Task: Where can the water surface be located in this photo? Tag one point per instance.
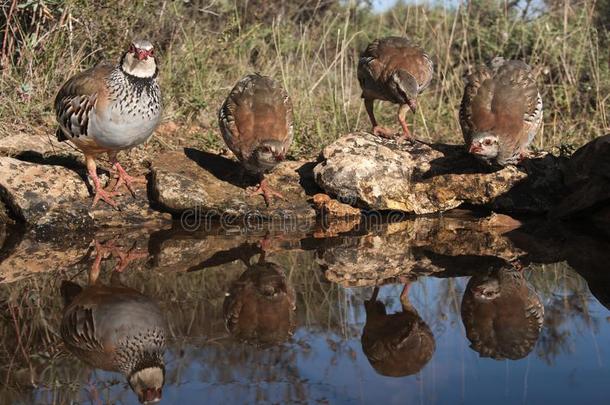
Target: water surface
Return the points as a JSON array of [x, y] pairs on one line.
[[338, 333]]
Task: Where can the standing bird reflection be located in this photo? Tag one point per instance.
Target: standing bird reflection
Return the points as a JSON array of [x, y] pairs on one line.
[[260, 305], [398, 344], [116, 328]]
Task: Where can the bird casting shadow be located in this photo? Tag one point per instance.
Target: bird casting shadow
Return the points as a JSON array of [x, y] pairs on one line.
[[222, 168], [456, 160]]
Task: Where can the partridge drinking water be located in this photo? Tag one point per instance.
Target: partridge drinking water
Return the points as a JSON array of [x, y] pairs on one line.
[[501, 111]]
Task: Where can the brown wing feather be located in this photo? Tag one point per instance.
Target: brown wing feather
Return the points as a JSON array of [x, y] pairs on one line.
[[384, 56], [77, 97], [256, 110], [475, 110]]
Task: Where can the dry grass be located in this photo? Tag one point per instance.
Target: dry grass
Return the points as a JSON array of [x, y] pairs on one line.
[[205, 46]]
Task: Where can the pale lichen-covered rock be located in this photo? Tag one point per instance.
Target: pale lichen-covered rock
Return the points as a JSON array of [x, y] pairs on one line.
[[330, 208], [25, 145], [197, 184], [379, 174], [52, 197]]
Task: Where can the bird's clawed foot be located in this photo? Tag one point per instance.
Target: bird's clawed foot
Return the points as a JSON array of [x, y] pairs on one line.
[[384, 132], [124, 179], [104, 195], [405, 137], [267, 192]]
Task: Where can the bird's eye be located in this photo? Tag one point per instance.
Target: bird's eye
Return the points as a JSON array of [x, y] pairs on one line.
[[151, 52], [487, 142], [132, 48]]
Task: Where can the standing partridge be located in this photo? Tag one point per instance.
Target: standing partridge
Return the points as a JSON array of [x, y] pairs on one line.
[[116, 328], [109, 108], [501, 111], [393, 69], [502, 315], [256, 124], [399, 344], [260, 306]]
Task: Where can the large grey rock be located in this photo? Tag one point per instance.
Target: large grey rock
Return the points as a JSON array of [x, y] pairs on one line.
[[196, 183], [379, 174], [53, 198]]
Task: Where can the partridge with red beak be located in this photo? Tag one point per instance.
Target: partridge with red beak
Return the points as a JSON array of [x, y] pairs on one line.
[[502, 314], [109, 108], [116, 328], [256, 124], [501, 111], [393, 69]]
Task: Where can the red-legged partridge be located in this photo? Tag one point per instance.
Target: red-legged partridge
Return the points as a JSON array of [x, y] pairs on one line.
[[501, 111], [393, 69], [116, 328], [109, 108], [256, 124], [502, 315], [398, 344], [260, 306]]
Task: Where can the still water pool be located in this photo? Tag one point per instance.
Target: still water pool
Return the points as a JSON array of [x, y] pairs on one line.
[[428, 311]]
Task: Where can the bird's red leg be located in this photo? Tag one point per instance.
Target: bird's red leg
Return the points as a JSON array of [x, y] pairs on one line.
[[377, 130], [523, 154], [102, 251], [123, 177], [100, 193], [404, 297], [406, 134], [267, 192]]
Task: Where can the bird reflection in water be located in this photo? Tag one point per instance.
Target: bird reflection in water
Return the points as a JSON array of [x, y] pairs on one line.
[[398, 344], [260, 307], [116, 328], [502, 314]]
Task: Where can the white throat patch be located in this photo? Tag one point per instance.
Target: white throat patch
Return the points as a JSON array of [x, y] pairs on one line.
[[139, 68]]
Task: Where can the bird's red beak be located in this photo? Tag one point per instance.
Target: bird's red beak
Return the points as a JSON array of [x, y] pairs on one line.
[[475, 148], [412, 105], [142, 55], [151, 395]]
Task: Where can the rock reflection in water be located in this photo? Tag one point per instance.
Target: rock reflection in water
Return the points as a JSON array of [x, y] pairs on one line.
[[260, 305], [339, 344], [116, 328], [397, 344], [502, 314]]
